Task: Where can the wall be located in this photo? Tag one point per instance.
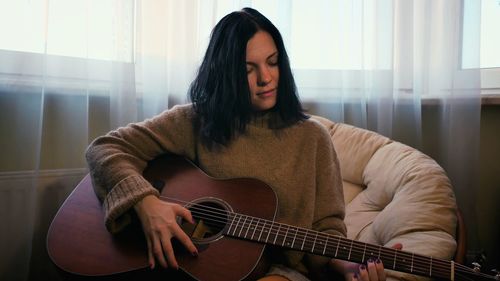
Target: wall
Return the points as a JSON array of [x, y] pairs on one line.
[[483, 228], [26, 197], [488, 207]]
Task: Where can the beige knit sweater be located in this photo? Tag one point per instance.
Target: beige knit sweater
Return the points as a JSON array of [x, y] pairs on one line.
[[298, 162]]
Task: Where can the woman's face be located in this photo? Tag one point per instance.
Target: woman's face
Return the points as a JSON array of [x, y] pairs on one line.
[[262, 71]]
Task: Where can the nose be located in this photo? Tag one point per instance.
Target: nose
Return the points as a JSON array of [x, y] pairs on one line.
[[265, 77]]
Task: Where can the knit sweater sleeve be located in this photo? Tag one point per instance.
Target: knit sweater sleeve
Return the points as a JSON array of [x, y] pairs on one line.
[[329, 203], [329, 200], [116, 161]]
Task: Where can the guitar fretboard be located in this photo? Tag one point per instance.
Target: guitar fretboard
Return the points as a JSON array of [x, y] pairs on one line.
[[319, 243]]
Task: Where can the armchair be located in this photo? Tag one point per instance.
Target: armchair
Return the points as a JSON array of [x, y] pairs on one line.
[[396, 194]]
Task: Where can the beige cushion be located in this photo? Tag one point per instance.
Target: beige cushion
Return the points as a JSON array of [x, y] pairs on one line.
[[356, 148], [394, 194], [351, 190]]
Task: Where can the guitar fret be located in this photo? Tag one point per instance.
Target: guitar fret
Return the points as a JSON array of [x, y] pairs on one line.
[[452, 271], [430, 268], [253, 233], [263, 226], [249, 225], [243, 225], [267, 238], [303, 241], [286, 236], [395, 255], [295, 236], [338, 244], [230, 225], [277, 233], [326, 243], [411, 268], [364, 252], [314, 243], [236, 227], [350, 249]]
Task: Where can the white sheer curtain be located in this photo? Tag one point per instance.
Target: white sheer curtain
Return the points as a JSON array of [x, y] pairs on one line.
[[397, 70], [82, 68], [70, 71]]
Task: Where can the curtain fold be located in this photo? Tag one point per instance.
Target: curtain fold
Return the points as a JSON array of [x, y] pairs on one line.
[[87, 67]]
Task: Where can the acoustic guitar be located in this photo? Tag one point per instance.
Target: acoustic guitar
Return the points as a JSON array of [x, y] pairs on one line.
[[234, 223]]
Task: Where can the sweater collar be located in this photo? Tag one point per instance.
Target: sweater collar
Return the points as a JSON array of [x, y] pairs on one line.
[[269, 119]]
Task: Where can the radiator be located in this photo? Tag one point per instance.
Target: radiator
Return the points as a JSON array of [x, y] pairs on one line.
[[28, 202]]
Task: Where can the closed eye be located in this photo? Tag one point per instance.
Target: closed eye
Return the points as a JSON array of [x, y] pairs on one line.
[[273, 59], [273, 63]]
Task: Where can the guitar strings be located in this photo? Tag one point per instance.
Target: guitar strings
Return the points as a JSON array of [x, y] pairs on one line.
[[443, 269], [301, 234], [298, 234], [244, 225], [445, 273]]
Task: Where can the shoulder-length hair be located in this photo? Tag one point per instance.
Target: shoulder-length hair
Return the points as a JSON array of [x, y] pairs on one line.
[[220, 92]]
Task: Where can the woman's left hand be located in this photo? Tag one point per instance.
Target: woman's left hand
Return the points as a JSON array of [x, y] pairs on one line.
[[372, 271]]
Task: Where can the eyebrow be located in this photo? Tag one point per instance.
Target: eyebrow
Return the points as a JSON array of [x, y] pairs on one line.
[[270, 56]]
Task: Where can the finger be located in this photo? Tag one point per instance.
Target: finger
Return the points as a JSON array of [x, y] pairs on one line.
[[168, 251], [185, 240], [363, 273], [180, 234], [183, 212], [380, 270], [372, 270], [158, 251], [151, 258], [397, 246]]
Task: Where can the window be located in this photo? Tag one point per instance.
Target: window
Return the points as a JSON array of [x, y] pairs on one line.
[[315, 34], [489, 43], [94, 29], [104, 30]]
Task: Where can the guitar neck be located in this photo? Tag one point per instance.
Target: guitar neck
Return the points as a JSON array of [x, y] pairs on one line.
[[319, 243]]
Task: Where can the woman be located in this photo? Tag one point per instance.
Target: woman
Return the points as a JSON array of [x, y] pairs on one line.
[[245, 120]]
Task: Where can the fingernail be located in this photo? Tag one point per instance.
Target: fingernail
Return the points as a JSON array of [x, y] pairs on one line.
[[194, 253], [378, 261], [370, 261], [355, 276], [362, 267]]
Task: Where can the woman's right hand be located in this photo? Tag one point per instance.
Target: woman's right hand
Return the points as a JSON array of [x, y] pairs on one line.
[[159, 224]]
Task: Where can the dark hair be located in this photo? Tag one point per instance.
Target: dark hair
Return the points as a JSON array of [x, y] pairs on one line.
[[220, 92]]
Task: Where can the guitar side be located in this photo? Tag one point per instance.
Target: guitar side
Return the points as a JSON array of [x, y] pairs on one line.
[[78, 242]]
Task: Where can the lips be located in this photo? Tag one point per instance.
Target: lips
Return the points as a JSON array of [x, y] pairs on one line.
[[265, 93]]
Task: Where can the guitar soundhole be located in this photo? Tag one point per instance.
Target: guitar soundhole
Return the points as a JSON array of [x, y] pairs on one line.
[[210, 216]]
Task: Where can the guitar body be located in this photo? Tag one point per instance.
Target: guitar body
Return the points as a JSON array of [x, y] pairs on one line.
[[79, 244]]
